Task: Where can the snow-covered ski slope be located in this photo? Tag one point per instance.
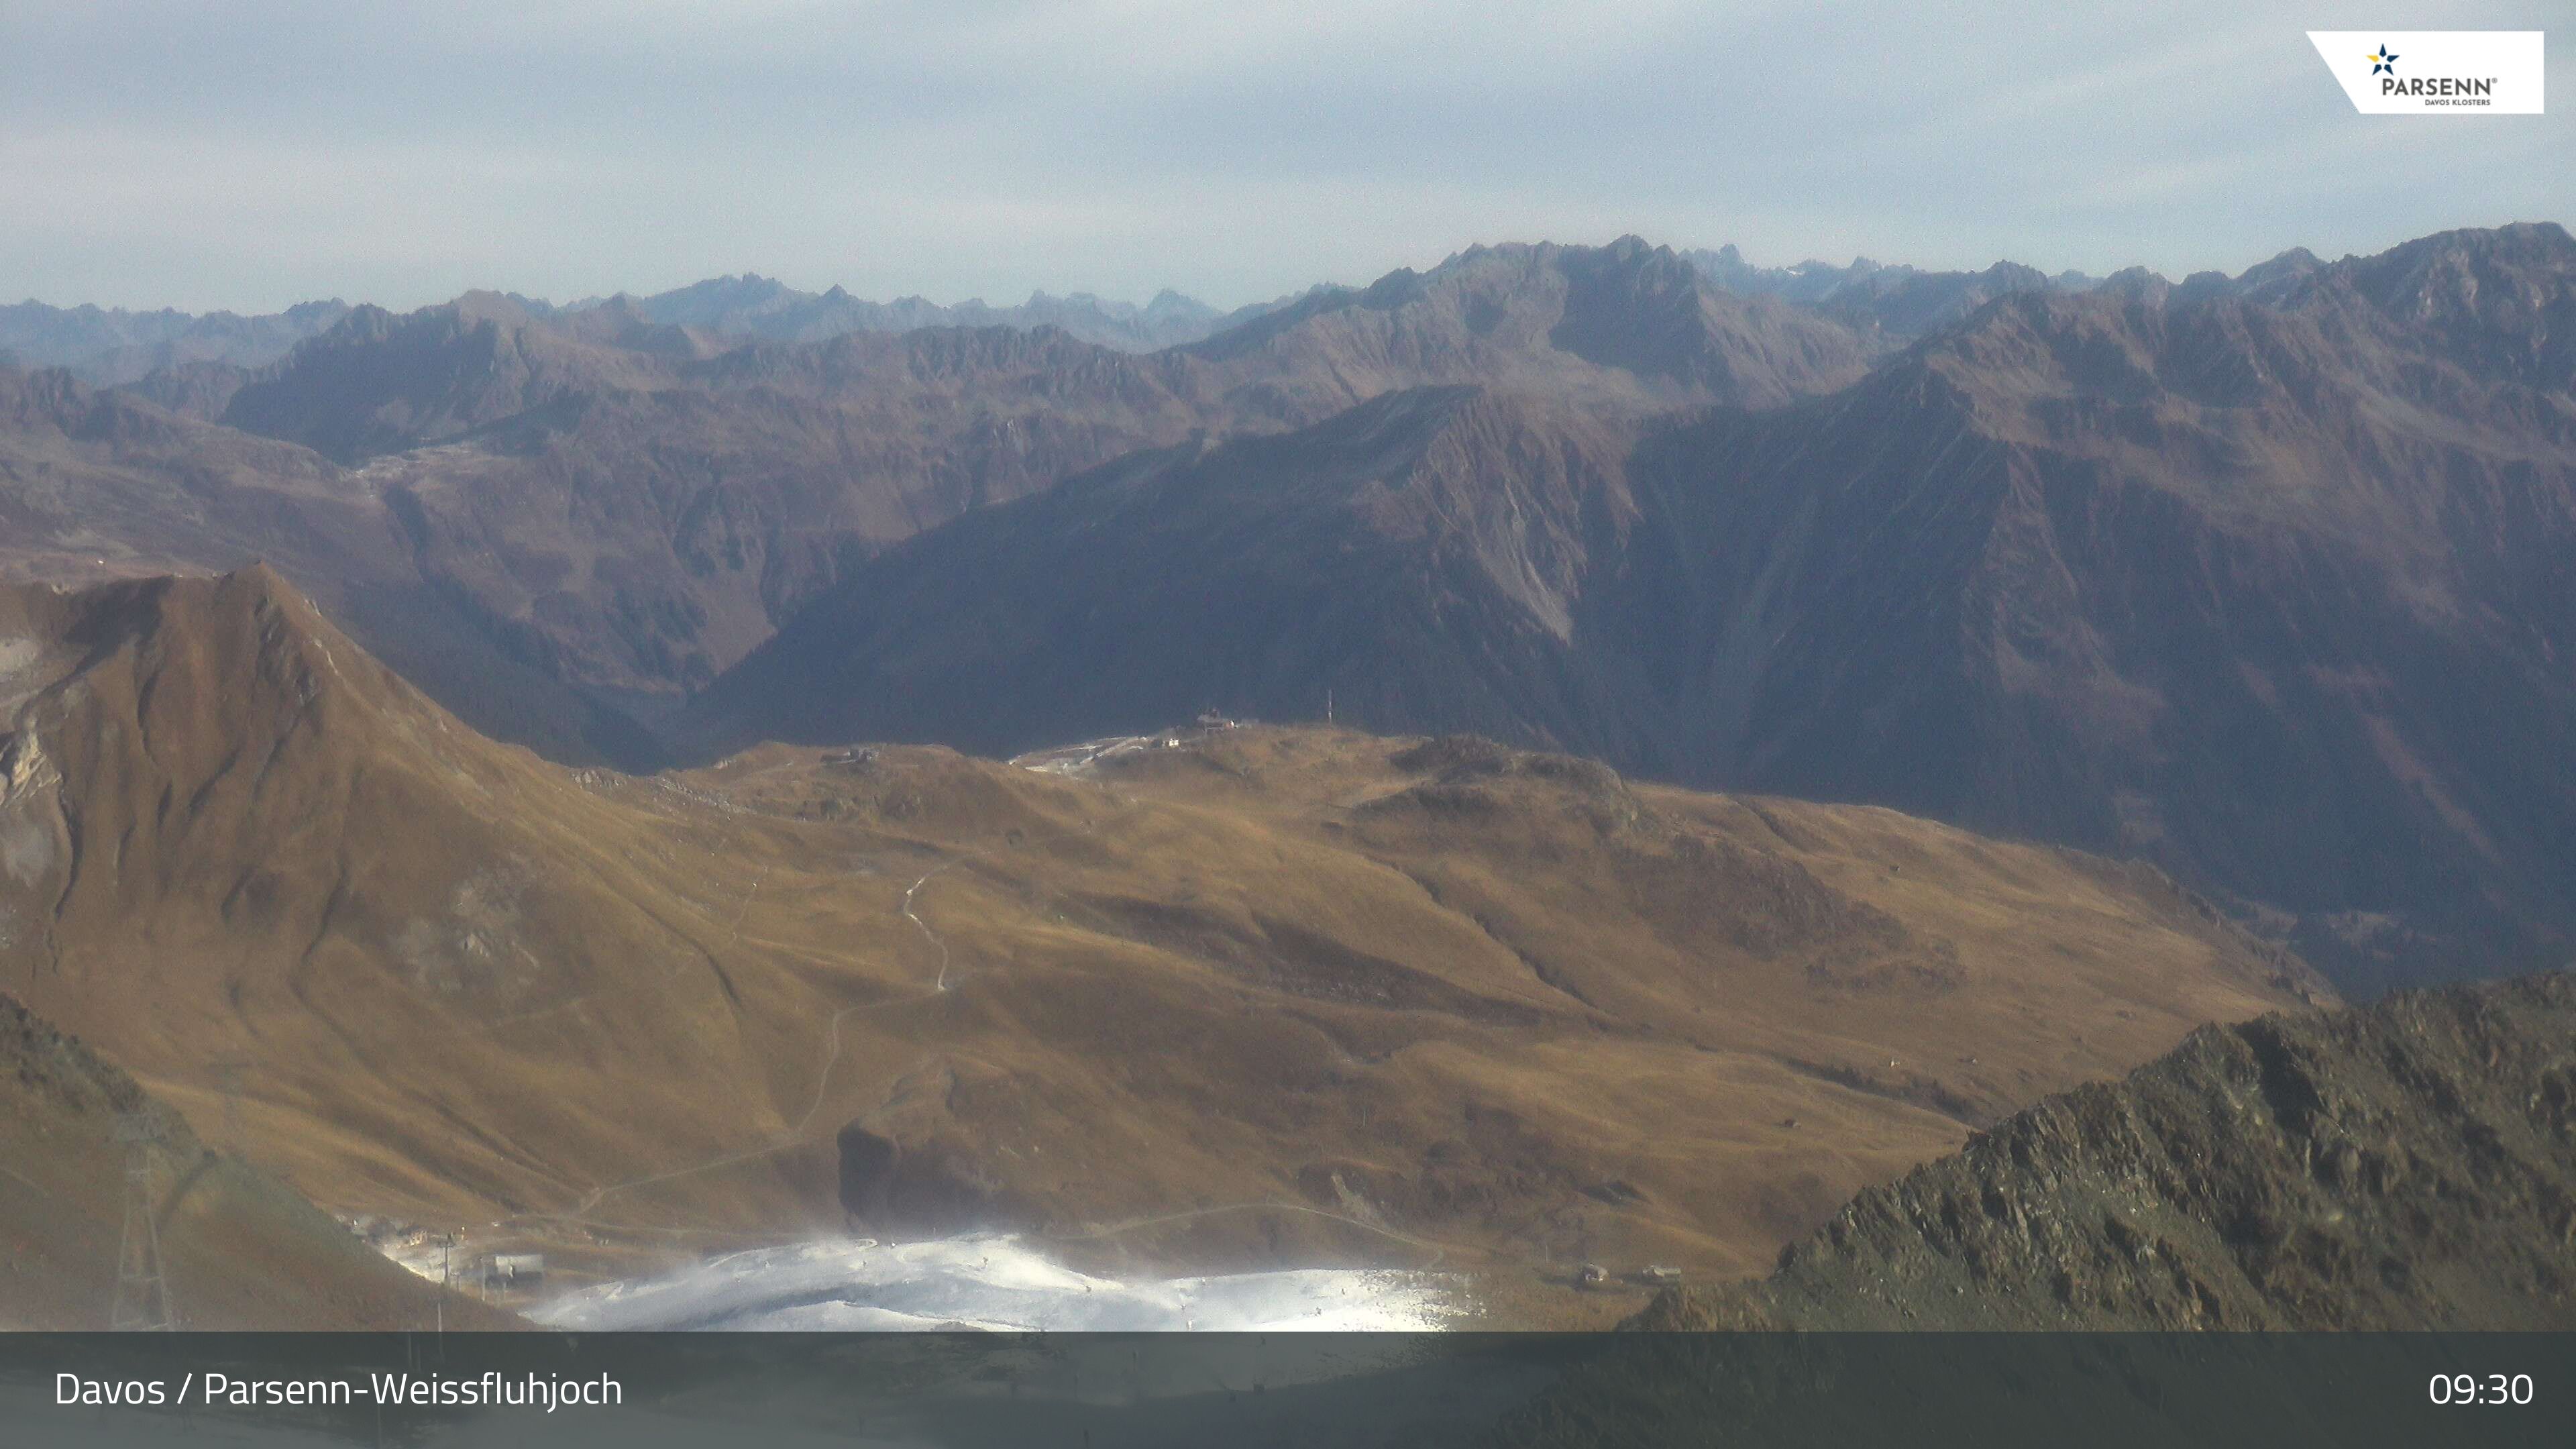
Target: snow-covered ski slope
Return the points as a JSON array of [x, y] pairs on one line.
[[990, 1282]]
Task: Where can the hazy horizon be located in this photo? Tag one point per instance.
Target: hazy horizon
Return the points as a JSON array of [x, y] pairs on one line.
[[251, 156], [1142, 299]]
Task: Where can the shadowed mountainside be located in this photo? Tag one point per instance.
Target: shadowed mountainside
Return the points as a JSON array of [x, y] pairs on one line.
[[2273, 592], [100, 485], [1419, 557], [630, 506], [1259, 996]]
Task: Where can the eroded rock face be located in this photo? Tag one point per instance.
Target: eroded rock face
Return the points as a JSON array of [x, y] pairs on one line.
[[927, 1190], [2411, 1166], [867, 1172]]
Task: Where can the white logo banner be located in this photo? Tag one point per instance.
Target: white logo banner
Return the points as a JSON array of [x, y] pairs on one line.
[[2435, 72]]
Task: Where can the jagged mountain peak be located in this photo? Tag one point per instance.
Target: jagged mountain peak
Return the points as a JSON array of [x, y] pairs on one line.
[[2498, 302], [751, 305], [2272, 279], [1629, 325], [499, 309], [199, 658], [383, 382], [1889, 304], [111, 347]]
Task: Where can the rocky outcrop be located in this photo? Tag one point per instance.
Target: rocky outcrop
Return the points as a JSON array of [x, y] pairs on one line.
[[2409, 1166], [240, 1250], [929, 1190]]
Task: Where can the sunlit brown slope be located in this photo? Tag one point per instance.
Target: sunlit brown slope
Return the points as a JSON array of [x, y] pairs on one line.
[[239, 1251], [1261, 995]]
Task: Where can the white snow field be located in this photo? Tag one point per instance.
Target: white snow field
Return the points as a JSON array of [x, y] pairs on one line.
[[990, 1282]]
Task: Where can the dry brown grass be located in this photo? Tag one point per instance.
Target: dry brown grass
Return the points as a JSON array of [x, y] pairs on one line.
[[1275, 995]]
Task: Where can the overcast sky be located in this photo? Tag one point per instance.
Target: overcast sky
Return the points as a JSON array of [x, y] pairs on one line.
[[253, 153]]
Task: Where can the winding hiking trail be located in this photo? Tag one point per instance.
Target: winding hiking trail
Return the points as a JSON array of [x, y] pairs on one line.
[[833, 1047], [941, 984], [794, 1134]]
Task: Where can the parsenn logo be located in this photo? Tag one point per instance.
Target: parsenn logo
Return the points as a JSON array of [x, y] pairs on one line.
[[2448, 72]]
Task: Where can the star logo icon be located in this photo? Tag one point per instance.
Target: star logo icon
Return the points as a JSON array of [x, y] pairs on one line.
[[2383, 60]]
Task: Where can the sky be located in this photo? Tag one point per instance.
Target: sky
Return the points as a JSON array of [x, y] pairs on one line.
[[254, 153]]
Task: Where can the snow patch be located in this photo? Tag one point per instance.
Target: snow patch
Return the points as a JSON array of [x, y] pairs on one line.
[[1080, 762], [18, 661], [991, 1282]]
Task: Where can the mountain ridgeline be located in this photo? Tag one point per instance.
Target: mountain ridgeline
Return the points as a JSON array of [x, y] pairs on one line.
[[2270, 583], [238, 1249], [2264, 578], [113, 346], [2407, 1167], [2367, 1177]]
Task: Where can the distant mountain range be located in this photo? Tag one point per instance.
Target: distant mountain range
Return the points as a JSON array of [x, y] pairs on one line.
[[114, 347], [1895, 300], [111, 347], [756, 306], [2263, 578], [631, 506]]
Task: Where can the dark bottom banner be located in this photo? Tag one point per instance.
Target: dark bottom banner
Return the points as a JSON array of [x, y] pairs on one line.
[[1250, 1391]]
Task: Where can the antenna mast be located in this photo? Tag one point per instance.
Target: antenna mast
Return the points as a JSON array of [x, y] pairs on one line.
[[228, 1077], [142, 1290]]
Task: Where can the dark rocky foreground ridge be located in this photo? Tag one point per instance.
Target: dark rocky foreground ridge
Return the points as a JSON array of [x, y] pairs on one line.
[[2409, 1166], [241, 1250]]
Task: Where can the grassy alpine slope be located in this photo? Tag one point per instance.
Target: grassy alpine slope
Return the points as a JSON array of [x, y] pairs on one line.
[[1264, 996]]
